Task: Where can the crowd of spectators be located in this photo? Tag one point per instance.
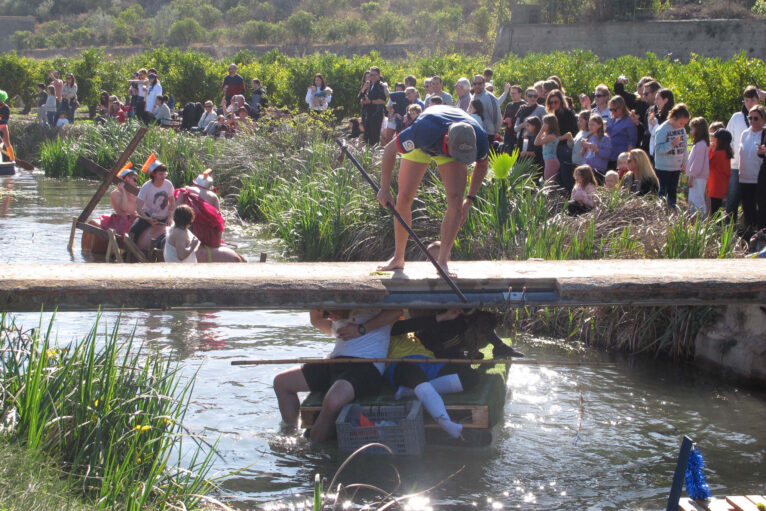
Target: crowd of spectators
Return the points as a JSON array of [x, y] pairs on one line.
[[638, 138]]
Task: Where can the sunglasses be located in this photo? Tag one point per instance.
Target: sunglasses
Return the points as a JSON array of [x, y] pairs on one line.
[[754, 118], [600, 95], [478, 83], [531, 95]]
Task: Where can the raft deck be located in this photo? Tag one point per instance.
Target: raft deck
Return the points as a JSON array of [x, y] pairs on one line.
[[732, 503], [479, 408]]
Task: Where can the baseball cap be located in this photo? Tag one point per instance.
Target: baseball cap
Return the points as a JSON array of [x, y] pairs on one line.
[[462, 142]]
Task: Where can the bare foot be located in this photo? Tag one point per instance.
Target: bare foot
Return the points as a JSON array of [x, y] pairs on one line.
[[393, 264], [445, 267]]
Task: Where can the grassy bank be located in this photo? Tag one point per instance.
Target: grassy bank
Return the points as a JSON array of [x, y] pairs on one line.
[[107, 413]]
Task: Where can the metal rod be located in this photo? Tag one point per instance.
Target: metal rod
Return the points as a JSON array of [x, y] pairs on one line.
[[481, 361], [678, 475], [396, 214]]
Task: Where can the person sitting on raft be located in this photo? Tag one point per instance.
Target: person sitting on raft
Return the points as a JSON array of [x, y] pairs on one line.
[[180, 244], [358, 334], [156, 201], [123, 204], [209, 223], [428, 381], [5, 115]]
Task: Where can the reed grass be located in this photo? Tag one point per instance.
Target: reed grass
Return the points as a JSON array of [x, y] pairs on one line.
[[110, 415]]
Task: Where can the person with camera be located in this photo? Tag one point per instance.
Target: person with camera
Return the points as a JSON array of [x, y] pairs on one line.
[[319, 95], [373, 106]]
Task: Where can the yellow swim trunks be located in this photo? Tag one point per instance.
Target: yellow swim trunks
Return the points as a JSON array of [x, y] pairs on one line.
[[420, 156]]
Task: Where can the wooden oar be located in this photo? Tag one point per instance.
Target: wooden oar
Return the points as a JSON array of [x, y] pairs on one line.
[[24, 164], [482, 361]]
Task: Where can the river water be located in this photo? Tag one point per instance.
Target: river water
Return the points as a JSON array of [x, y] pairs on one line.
[[572, 437]]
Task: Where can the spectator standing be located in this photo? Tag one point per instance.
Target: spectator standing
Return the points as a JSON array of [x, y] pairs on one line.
[[463, 92], [492, 116], [436, 90], [401, 101], [548, 139], [751, 183], [141, 87], [42, 99], [664, 101], [319, 95], [556, 104], [527, 146], [738, 124], [58, 85], [601, 97], [621, 130], [233, 84], [69, 97], [509, 117], [133, 93], [51, 106], [698, 168], [531, 109], [721, 154], [373, 107], [153, 91], [670, 152], [649, 93], [258, 100], [476, 110]]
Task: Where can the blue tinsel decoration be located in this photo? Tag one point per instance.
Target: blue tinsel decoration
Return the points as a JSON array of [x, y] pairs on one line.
[[696, 484]]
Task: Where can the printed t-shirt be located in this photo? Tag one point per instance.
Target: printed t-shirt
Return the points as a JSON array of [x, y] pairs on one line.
[[156, 200], [428, 130]]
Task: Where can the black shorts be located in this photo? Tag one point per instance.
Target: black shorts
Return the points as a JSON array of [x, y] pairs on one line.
[[364, 378]]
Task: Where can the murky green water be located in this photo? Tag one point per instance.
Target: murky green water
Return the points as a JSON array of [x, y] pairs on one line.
[[572, 437]]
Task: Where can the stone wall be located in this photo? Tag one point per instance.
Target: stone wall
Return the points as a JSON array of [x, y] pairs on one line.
[[14, 24], [712, 38], [736, 343]]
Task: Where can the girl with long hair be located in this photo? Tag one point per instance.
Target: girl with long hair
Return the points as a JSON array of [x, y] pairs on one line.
[[548, 139], [698, 168]]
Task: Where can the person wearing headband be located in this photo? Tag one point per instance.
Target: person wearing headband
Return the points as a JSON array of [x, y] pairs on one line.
[[454, 140], [156, 201]]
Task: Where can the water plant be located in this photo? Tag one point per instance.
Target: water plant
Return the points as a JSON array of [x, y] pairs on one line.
[[108, 412]]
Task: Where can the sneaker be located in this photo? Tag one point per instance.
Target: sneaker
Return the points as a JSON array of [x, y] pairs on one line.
[[505, 351], [476, 437]]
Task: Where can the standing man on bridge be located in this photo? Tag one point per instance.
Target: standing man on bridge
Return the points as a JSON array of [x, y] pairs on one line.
[[453, 139]]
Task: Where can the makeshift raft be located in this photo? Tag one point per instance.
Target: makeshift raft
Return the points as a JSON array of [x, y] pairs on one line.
[[479, 408], [7, 168], [733, 503]]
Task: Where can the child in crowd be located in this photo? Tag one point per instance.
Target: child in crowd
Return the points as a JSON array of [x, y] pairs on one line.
[[180, 244], [670, 152], [698, 166], [597, 145], [721, 154], [413, 111], [582, 199], [50, 106], [612, 179], [717, 125], [548, 139], [476, 110], [622, 164], [63, 120], [578, 156], [528, 147], [42, 98]]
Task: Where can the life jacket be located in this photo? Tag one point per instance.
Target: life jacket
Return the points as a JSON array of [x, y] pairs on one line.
[[208, 223]]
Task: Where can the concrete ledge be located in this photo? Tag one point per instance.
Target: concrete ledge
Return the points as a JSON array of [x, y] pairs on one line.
[[29, 287]]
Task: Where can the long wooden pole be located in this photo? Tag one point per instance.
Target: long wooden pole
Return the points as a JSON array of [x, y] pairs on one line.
[[396, 214], [481, 361]]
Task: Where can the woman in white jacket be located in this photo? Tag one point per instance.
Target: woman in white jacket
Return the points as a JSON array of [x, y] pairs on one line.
[[319, 95], [750, 168]]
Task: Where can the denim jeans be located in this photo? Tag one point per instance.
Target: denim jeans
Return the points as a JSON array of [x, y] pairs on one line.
[[733, 196], [669, 185]]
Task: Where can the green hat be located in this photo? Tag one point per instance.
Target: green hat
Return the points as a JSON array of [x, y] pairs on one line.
[[3, 95]]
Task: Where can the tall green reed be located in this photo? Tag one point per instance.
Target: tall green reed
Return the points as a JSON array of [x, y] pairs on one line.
[[111, 414]]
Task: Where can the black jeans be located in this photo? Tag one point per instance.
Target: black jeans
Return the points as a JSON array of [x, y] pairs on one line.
[[748, 196], [372, 125], [715, 205], [669, 185]]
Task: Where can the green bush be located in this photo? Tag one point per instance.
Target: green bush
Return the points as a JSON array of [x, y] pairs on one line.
[[301, 26], [388, 27], [185, 31]]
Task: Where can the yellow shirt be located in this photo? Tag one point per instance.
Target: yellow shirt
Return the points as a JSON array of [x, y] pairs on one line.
[[405, 345]]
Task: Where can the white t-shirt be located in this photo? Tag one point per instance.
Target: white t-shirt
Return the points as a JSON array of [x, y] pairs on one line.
[[749, 161], [373, 344], [63, 121], [156, 200], [737, 126]]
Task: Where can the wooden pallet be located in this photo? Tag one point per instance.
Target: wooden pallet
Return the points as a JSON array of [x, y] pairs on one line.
[[733, 503], [470, 416]]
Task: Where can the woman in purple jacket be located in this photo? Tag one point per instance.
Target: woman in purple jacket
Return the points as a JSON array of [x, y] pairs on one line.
[[621, 130], [597, 146]]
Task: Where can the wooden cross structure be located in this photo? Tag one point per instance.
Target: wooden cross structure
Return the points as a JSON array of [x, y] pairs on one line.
[[109, 177]]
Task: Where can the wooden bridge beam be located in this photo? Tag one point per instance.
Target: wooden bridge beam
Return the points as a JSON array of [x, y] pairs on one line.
[[30, 287]]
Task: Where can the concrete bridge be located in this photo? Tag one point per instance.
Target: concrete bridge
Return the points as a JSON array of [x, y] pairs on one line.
[[30, 287]]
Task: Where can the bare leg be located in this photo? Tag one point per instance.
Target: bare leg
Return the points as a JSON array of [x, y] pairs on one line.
[[454, 176], [340, 393], [410, 176], [287, 384]]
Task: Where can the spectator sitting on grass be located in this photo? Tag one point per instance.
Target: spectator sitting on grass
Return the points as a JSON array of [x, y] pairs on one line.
[[161, 112], [611, 180], [582, 199], [63, 121]]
